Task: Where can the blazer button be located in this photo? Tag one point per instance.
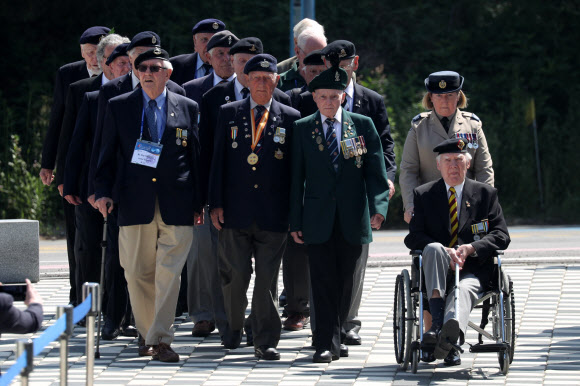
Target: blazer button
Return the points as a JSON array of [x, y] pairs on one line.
[[256, 186], [154, 179]]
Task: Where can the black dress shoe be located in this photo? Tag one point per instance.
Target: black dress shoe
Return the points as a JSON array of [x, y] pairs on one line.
[[110, 331], [352, 338], [427, 357], [452, 359], [232, 339], [249, 336], [129, 331], [267, 353], [322, 356], [448, 336], [430, 337], [343, 350]]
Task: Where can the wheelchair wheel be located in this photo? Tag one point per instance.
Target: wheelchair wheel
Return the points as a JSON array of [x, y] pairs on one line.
[[506, 357], [403, 319]]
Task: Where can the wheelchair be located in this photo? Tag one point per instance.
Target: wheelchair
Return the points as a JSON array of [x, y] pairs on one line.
[[410, 298]]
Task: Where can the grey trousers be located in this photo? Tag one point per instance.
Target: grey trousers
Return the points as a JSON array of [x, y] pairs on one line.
[[352, 321], [236, 247], [205, 300], [436, 268]]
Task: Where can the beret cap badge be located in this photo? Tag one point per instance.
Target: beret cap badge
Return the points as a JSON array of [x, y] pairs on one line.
[[215, 25], [253, 48], [460, 144], [265, 63], [342, 53], [337, 77], [442, 84], [157, 50], [153, 40]]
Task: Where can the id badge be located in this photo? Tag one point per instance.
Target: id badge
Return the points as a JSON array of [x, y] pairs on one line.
[[146, 153]]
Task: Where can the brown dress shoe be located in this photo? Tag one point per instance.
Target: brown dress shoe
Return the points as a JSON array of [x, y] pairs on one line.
[[203, 328], [295, 322], [145, 350], [165, 353]]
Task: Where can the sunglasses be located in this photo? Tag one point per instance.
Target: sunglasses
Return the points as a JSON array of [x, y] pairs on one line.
[[144, 67]]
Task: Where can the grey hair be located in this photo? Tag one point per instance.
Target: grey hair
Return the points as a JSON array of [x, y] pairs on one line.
[[167, 64], [304, 24], [109, 40], [310, 33], [467, 156]]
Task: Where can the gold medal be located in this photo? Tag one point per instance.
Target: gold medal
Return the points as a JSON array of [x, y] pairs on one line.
[[184, 143], [253, 159], [278, 154], [321, 147]]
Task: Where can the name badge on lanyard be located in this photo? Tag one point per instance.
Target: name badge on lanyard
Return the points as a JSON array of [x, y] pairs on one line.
[[146, 153]]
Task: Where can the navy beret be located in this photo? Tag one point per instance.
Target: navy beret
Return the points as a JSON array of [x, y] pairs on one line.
[[94, 35], [222, 39], [247, 46], [209, 25], [261, 62], [333, 79], [120, 50], [443, 82], [452, 145], [314, 59], [145, 39], [154, 53], [338, 50]]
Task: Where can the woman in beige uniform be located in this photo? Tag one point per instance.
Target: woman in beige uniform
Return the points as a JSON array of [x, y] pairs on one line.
[[445, 120]]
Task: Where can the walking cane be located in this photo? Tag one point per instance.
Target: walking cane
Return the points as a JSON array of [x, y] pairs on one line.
[[102, 283]]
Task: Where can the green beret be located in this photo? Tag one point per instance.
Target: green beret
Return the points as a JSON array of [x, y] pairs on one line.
[[333, 79]]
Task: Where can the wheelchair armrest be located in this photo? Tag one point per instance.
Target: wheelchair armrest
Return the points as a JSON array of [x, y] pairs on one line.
[[415, 252], [497, 257]]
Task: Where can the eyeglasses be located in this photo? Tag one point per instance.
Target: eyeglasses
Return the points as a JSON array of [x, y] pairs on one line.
[[144, 67]]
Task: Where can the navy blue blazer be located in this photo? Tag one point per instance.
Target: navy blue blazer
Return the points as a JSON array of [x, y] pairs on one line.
[[74, 99], [14, 321], [249, 193], [211, 102], [183, 67], [479, 202], [175, 181], [365, 102], [81, 146], [194, 89], [67, 74], [115, 87]]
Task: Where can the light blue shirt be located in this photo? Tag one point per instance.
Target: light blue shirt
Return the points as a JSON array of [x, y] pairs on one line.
[[160, 111], [199, 70]]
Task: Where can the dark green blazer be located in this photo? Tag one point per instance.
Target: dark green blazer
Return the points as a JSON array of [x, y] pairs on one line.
[[318, 194]]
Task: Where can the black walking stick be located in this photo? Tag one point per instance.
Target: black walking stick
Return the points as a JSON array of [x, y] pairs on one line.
[[102, 283]]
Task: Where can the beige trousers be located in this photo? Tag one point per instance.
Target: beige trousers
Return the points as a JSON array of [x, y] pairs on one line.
[[153, 256]]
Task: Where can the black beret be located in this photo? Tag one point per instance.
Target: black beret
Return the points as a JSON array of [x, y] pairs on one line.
[[339, 50], [145, 39], [444, 82], [94, 35], [452, 145], [261, 62], [154, 53], [314, 59], [333, 79], [222, 39], [209, 25], [120, 50], [247, 46]]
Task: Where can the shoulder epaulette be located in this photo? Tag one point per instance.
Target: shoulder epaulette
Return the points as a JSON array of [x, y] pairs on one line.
[[471, 115], [419, 116]]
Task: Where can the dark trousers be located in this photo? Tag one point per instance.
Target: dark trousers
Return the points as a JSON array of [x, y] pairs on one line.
[[332, 271], [118, 305], [87, 250], [69, 224], [235, 250], [296, 276]]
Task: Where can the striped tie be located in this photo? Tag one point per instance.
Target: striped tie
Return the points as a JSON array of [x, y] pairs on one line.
[[453, 217], [331, 142]]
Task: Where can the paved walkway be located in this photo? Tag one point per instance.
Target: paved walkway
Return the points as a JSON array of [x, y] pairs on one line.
[[547, 350]]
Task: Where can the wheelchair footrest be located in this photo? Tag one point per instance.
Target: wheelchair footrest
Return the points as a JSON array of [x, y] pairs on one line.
[[490, 347]]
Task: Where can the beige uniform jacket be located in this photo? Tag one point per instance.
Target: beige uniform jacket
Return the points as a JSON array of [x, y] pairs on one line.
[[419, 166]]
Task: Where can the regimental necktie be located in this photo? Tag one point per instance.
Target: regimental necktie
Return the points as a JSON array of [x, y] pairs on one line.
[[331, 142], [445, 123], [152, 120], [207, 68], [259, 111], [245, 92], [453, 217]]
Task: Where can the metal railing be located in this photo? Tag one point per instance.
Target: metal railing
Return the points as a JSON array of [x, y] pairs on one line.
[[62, 330]]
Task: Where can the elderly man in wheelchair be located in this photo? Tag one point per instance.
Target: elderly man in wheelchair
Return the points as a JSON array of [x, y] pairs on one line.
[[459, 226]]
